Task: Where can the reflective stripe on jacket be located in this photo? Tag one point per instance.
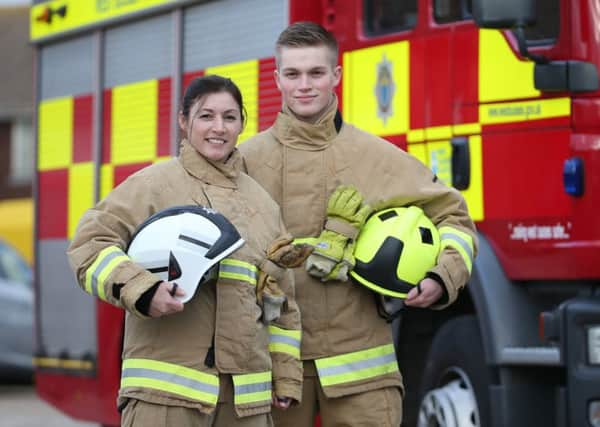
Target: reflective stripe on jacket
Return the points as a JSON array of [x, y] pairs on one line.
[[357, 366], [249, 389]]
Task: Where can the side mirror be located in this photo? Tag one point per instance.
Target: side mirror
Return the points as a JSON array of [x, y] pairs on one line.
[[508, 14], [504, 13]]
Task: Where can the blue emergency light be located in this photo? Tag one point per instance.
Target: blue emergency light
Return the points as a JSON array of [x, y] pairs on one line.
[[573, 176]]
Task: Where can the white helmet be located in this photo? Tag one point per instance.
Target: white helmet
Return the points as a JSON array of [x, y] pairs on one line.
[[183, 244]]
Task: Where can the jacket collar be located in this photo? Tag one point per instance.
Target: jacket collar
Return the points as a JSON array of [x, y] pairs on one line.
[[221, 173], [301, 135]]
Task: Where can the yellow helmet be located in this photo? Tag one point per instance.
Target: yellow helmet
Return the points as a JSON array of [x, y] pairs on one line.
[[394, 250]]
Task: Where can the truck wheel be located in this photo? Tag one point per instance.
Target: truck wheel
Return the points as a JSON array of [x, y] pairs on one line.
[[454, 389]]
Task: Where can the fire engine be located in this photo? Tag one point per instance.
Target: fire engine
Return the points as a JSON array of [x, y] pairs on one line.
[[499, 98]]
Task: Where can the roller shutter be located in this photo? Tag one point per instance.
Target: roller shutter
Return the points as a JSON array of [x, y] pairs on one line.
[[67, 316], [138, 51], [229, 31], [236, 39]]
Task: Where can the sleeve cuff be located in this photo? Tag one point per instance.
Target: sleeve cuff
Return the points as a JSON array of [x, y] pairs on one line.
[[443, 300], [143, 303], [288, 388], [135, 288], [439, 274], [342, 227]]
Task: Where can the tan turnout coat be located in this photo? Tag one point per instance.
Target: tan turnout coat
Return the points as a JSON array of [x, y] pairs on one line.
[[163, 358], [300, 165]]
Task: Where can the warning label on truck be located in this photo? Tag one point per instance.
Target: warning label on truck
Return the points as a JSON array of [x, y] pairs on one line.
[[539, 232]]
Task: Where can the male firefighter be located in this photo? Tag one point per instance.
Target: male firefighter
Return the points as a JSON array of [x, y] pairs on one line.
[[318, 169]]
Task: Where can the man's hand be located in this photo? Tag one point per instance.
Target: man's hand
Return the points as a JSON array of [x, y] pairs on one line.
[[164, 301], [426, 293]]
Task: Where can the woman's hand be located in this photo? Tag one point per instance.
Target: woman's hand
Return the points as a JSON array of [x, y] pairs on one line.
[[282, 402], [164, 301]]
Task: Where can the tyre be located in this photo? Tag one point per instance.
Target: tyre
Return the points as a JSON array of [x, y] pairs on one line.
[[455, 385]]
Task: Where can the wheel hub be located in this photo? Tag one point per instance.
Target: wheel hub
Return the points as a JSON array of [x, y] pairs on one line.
[[451, 405]]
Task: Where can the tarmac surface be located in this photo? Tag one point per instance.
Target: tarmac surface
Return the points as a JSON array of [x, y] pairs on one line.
[[20, 407]]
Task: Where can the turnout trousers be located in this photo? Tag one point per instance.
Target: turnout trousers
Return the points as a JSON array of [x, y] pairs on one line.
[[374, 408]]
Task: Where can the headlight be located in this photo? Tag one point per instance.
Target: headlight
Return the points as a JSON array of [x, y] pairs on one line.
[[593, 344]]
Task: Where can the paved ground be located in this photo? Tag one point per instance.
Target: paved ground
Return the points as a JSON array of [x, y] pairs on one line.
[[20, 407]]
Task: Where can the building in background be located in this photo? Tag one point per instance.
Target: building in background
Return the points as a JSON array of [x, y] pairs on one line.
[[16, 129]]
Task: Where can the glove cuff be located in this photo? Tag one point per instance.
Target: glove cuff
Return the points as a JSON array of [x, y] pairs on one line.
[[342, 227]]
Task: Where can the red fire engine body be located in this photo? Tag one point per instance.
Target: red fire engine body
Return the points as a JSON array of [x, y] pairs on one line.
[[510, 118]]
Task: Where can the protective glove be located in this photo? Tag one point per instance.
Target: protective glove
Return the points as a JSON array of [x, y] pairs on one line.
[[329, 252], [346, 205], [281, 254], [341, 270], [269, 297], [333, 257], [286, 254]]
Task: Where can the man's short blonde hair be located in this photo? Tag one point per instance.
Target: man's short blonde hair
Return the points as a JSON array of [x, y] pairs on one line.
[[304, 34]]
